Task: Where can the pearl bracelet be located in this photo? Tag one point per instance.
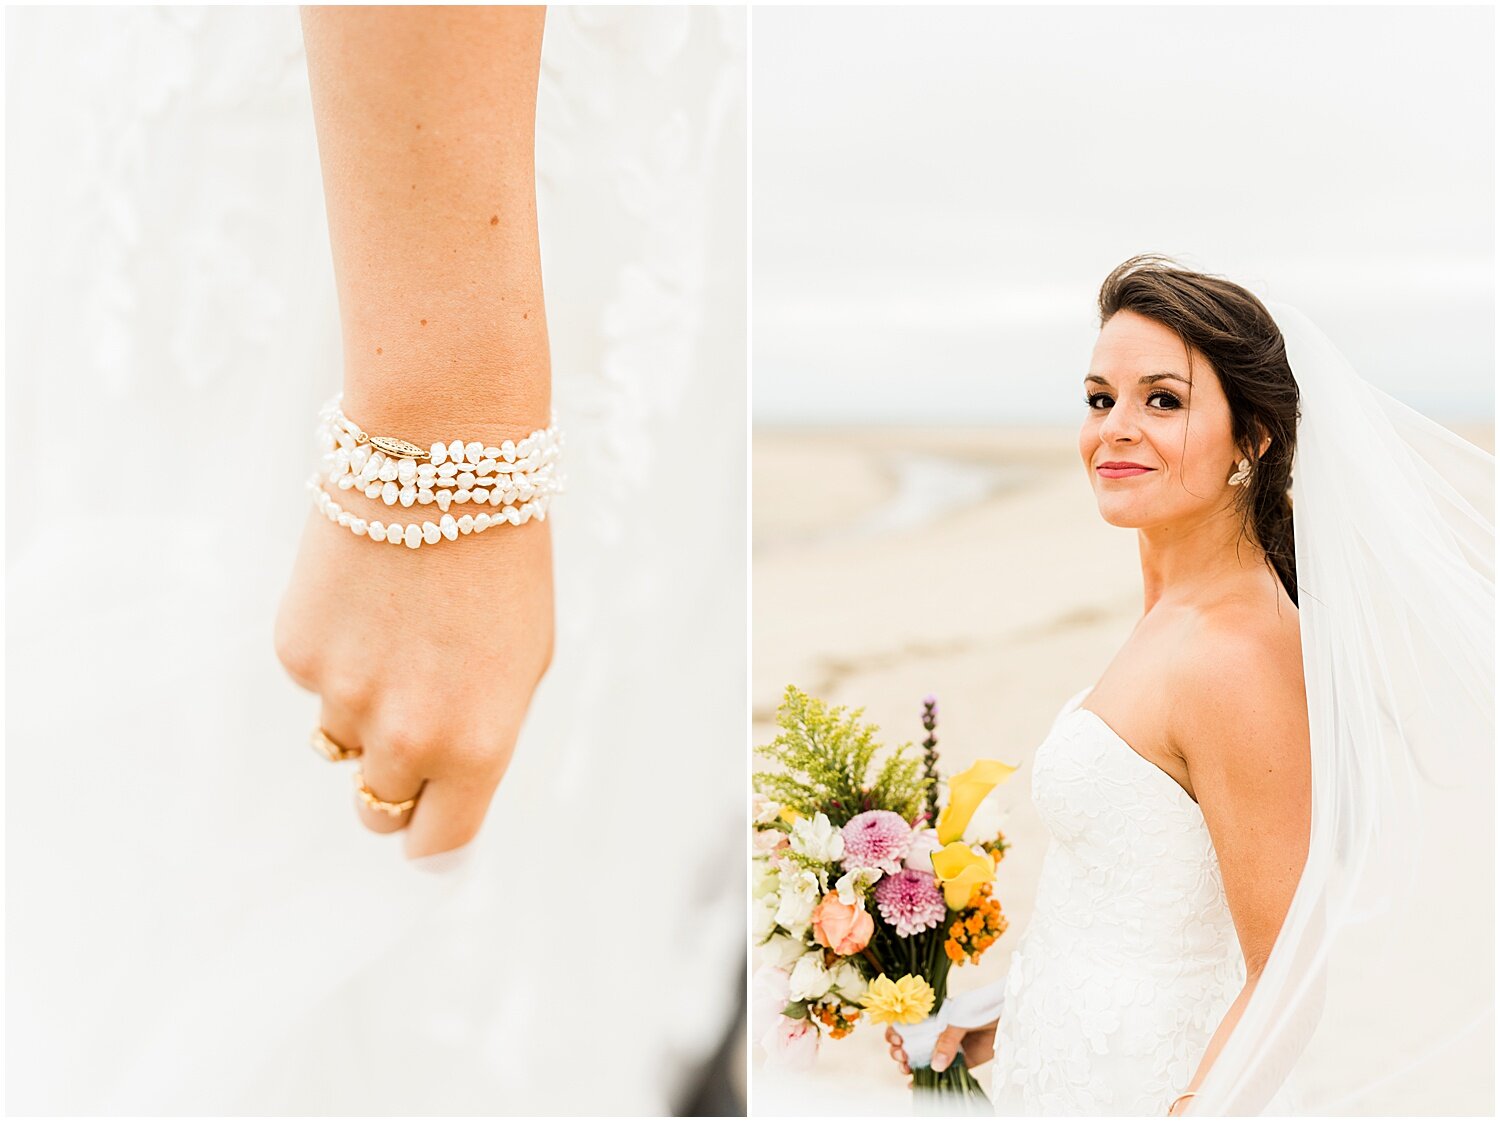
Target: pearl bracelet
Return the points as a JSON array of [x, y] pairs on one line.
[[388, 469], [415, 536], [516, 478]]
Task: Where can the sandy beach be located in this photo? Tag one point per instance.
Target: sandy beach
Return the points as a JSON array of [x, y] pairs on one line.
[[967, 563]]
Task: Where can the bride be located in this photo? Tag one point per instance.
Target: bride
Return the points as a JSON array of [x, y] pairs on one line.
[[1209, 873]]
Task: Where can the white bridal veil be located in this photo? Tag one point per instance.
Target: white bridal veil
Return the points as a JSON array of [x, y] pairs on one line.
[[1378, 995]]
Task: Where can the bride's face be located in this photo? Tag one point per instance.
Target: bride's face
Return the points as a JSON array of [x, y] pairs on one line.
[[1147, 408]]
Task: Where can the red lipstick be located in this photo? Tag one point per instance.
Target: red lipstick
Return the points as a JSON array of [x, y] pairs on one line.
[[1121, 469]]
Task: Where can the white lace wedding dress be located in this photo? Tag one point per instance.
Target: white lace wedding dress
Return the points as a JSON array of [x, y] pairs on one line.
[[196, 923], [1130, 960]]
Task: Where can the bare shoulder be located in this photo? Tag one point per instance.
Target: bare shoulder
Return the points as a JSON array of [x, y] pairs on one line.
[[1240, 724], [1237, 689]]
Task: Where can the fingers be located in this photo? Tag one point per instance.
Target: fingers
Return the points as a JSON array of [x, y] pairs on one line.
[[451, 811], [946, 1047], [392, 772], [898, 1050], [383, 773], [452, 775], [341, 724]]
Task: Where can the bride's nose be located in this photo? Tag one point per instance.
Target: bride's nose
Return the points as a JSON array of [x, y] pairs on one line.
[[1119, 425]]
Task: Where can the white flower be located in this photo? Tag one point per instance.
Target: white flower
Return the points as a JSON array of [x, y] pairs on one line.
[[853, 884], [924, 844], [764, 879], [791, 1044], [849, 981], [818, 839], [810, 980], [764, 841], [763, 916], [763, 810], [769, 993], [988, 820], [782, 951], [798, 897]]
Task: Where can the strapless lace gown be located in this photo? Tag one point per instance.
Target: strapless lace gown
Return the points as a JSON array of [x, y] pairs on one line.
[[1130, 960]]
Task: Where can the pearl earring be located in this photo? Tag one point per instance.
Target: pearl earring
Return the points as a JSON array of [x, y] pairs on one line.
[[1240, 476]]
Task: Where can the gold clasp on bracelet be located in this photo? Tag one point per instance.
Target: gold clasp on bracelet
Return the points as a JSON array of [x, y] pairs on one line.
[[392, 446]]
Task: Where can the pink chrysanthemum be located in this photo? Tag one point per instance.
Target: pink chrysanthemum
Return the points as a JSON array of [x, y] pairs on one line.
[[876, 839], [910, 901]]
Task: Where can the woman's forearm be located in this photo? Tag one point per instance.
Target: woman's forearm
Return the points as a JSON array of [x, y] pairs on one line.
[[426, 122], [1217, 1041]]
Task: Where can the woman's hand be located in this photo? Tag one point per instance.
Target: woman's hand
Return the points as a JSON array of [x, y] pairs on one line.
[[978, 1046], [425, 659]]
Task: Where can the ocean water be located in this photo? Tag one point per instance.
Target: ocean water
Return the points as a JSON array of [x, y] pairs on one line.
[[928, 488]]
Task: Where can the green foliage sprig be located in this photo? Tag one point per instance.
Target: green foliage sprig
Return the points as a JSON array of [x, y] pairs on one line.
[[825, 755]]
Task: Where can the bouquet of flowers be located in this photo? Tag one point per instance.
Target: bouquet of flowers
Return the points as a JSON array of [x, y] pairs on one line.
[[866, 890]]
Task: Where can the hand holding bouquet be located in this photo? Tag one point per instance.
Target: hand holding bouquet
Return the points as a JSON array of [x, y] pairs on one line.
[[866, 891]]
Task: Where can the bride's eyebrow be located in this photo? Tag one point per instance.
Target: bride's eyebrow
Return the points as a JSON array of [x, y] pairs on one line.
[[1144, 379]]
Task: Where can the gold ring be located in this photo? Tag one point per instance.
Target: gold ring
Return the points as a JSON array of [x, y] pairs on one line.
[[329, 748], [375, 802]]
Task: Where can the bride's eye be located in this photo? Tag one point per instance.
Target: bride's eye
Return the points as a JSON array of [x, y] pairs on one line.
[[1172, 401], [1091, 399]]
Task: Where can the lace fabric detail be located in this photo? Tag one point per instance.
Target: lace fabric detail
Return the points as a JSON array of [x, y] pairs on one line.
[[1130, 959]]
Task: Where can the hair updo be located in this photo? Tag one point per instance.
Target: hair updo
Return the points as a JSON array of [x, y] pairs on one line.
[[1236, 333]]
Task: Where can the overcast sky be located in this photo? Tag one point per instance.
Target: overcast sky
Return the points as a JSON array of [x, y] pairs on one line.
[[938, 192]]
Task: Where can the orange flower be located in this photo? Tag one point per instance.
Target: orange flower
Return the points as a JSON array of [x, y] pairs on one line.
[[975, 929], [843, 928], [837, 1017]]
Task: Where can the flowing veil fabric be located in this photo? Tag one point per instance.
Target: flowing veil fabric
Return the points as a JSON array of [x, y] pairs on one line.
[[1378, 995], [196, 923]]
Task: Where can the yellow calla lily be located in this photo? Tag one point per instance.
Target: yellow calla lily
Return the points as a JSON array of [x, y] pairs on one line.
[[960, 871], [966, 791]]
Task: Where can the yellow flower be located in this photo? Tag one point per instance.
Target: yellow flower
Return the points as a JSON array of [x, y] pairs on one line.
[[788, 815], [966, 791], [960, 871], [901, 1003]]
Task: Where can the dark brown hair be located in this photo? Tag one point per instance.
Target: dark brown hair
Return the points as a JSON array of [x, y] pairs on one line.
[[1237, 335]]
